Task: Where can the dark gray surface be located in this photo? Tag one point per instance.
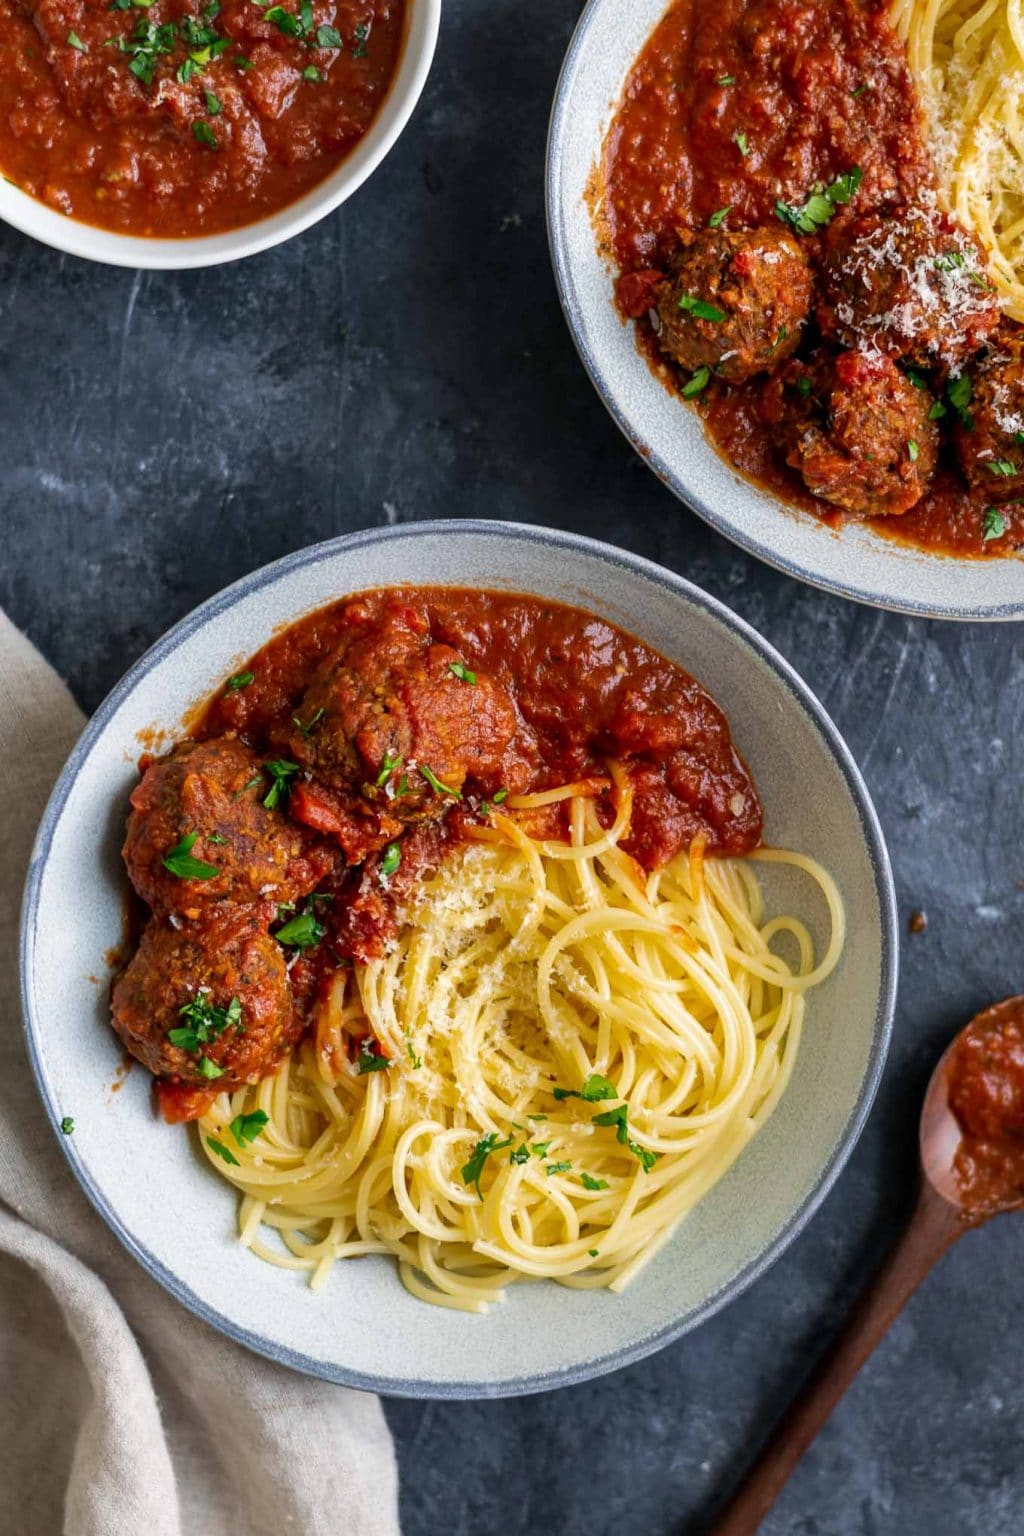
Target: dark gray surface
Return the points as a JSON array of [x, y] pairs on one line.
[[160, 435]]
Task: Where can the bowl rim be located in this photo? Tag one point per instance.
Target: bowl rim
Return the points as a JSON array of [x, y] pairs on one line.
[[572, 308], [871, 831], [108, 247]]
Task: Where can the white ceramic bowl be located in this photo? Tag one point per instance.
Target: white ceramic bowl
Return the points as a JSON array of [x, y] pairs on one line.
[[364, 1328], [423, 17], [854, 561]]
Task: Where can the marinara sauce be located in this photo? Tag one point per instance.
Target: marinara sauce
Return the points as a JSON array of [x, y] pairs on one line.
[[187, 117], [986, 1093], [731, 105]]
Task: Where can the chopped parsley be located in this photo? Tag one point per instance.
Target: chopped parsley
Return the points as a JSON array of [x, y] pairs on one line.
[[144, 46], [390, 861], [859, 90], [540, 1148], [916, 378], [391, 762], [328, 37], [180, 862], [314, 719], [740, 140], [594, 1089], [204, 134], [616, 1117], [592, 1252], [718, 218], [209, 1069], [280, 771], [912, 450], [67, 1126], [993, 524], [245, 1128], [937, 411], [520, 1155], [500, 796], [222, 1151], [472, 1170], [215, 107], [74, 41], [205, 1022], [726, 80], [821, 204], [557, 1168], [589, 1182], [361, 33], [696, 384], [436, 785], [958, 393], [302, 931], [803, 384], [369, 1060], [700, 309], [463, 674], [950, 261], [1001, 467], [312, 74], [410, 1051], [241, 680]]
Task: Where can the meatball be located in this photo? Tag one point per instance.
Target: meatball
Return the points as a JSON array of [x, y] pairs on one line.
[[397, 720], [207, 1003], [856, 429], [204, 803], [734, 301], [989, 430], [911, 284]]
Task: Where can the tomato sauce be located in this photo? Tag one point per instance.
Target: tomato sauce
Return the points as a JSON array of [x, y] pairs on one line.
[[986, 1094], [179, 119], [733, 104]]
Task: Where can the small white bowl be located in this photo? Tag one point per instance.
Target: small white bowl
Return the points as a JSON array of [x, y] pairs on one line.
[[364, 1328], [853, 561], [31, 217]]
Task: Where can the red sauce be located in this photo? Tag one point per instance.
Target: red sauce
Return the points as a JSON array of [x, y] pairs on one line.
[[187, 119], [811, 89], [987, 1096]]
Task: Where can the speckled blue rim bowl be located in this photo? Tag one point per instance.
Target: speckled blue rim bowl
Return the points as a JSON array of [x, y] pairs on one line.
[[363, 1328], [852, 561]]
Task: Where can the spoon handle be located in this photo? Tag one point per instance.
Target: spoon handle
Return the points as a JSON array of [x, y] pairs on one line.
[[934, 1226]]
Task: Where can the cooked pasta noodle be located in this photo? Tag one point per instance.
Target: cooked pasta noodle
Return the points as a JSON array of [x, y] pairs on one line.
[[967, 57], [573, 1053]]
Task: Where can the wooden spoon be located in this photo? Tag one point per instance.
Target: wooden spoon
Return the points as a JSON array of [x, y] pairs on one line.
[[940, 1216]]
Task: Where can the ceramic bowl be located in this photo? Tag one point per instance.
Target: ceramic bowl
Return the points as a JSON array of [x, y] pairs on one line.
[[34, 218], [853, 561], [363, 1328]]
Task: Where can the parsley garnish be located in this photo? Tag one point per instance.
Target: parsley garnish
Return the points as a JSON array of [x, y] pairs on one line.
[[859, 90], [472, 1170], [314, 719], [594, 1089], [145, 45], [740, 140], [205, 1022], [222, 1151], [180, 862], [500, 796], [993, 524], [699, 308], [436, 785], [696, 384], [589, 1182], [950, 261], [74, 41], [616, 1117], [241, 680], [463, 674], [362, 32], [803, 385], [592, 1252], [328, 37], [370, 1061], [539, 1148], [67, 1126], [204, 134], [390, 861], [937, 411], [821, 204], [726, 80], [387, 768], [280, 771], [410, 1051], [520, 1155], [719, 218], [557, 1168], [915, 378], [912, 450], [312, 74], [303, 931], [958, 393], [215, 108], [245, 1128], [1001, 467], [209, 1069]]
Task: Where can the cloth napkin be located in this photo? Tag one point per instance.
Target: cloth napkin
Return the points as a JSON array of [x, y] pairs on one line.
[[120, 1413]]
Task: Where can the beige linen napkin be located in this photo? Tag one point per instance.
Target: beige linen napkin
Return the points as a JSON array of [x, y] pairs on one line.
[[120, 1413]]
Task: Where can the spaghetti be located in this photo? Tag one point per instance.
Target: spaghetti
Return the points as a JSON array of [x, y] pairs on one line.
[[556, 1060], [967, 58]]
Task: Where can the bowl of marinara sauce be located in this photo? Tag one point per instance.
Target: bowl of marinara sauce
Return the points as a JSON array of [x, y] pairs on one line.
[[183, 133]]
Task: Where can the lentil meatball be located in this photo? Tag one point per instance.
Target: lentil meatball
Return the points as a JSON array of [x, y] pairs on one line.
[[231, 976], [734, 301], [856, 429], [989, 432], [910, 283], [215, 790]]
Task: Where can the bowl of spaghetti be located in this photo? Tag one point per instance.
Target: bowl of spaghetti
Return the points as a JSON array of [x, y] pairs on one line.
[[509, 969], [788, 244]]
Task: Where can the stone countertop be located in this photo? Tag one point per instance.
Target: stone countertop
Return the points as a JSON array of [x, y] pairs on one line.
[[163, 434]]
